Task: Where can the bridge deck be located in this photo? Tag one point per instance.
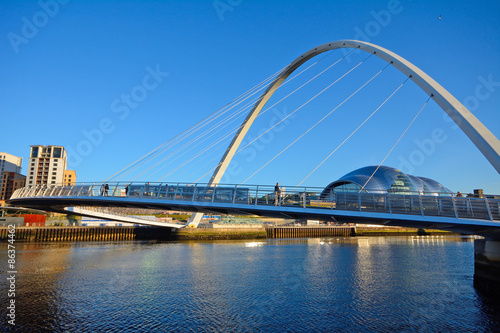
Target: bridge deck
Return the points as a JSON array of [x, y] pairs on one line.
[[460, 214]]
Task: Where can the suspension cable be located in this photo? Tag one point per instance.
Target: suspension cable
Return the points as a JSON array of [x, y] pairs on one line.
[[350, 135], [310, 130], [307, 102], [218, 141], [261, 113], [394, 146], [225, 120], [199, 124]]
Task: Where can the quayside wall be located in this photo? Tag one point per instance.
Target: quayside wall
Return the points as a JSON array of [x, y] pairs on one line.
[[62, 234], [114, 233]]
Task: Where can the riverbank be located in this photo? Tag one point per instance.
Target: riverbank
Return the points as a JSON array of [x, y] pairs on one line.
[[219, 233], [398, 231], [51, 234]]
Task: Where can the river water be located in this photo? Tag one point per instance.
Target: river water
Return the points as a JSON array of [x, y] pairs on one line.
[[382, 284]]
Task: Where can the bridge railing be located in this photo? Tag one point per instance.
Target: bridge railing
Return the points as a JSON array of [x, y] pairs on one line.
[[428, 204]]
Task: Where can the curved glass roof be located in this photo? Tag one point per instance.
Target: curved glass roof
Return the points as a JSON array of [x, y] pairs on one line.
[[386, 180]]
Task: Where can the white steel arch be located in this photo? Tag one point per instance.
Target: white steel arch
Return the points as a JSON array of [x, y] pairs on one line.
[[484, 140]]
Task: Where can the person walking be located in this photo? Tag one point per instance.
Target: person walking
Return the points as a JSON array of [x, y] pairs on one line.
[[106, 189], [102, 190], [277, 194]]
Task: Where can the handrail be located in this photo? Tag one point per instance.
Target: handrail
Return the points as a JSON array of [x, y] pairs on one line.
[[414, 203]]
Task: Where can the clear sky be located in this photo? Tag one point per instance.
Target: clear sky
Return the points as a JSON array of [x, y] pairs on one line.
[[66, 65]]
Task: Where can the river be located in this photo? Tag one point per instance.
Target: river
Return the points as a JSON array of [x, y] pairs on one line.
[[381, 284]]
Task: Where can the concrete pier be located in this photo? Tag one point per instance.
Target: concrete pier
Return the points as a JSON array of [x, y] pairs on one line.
[[487, 266]]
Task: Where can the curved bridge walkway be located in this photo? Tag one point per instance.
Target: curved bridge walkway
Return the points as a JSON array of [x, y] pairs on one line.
[[459, 214]]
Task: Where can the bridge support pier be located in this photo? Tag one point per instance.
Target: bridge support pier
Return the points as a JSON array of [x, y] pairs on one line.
[[487, 266]]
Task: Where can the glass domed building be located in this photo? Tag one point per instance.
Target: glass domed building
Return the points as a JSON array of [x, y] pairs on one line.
[[385, 179]]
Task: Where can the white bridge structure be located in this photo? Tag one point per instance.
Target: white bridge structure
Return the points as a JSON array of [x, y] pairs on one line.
[[479, 216], [466, 215]]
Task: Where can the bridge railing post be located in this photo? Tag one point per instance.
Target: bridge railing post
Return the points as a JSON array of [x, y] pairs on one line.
[[388, 197], [194, 191], [113, 193], [234, 194], [70, 192], [32, 191], [469, 207], [488, 209], [52, 191], [175, 191], [60, 191], [158, 188], [454, 206], [142, 191], [420, 202], [256, 195], [37, 190], [80, 190]]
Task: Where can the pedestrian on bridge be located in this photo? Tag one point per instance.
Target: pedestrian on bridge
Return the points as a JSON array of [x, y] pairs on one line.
[[277, 194]]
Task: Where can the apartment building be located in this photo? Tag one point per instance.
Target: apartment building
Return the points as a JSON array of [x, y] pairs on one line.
[[46, 166], [9, 163]]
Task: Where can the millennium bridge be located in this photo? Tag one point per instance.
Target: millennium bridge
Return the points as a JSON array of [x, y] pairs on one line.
[[428, 210], [468, 215]]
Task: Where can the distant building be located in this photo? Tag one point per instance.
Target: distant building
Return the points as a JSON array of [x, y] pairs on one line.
[[47, 165], [11, 181], [69, 177], [9, 163], [384, 179]]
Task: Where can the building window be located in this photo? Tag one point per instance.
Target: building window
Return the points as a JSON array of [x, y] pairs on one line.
[[53, 177], [34, 151], [57, 152], [54, 173]]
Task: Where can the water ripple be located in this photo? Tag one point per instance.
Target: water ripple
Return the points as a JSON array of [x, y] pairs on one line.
[[330, 285]]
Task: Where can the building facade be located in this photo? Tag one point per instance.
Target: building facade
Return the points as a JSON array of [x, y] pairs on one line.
[[46, 166], [69, 177], [11, 181], [9, 163]]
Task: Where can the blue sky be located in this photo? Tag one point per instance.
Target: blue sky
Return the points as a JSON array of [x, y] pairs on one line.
[[66, 66]]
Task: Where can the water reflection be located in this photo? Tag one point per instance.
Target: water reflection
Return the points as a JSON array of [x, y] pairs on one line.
[[320, 284]]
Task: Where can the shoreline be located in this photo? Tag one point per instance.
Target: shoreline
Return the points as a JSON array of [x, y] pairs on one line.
[[102, 233]]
